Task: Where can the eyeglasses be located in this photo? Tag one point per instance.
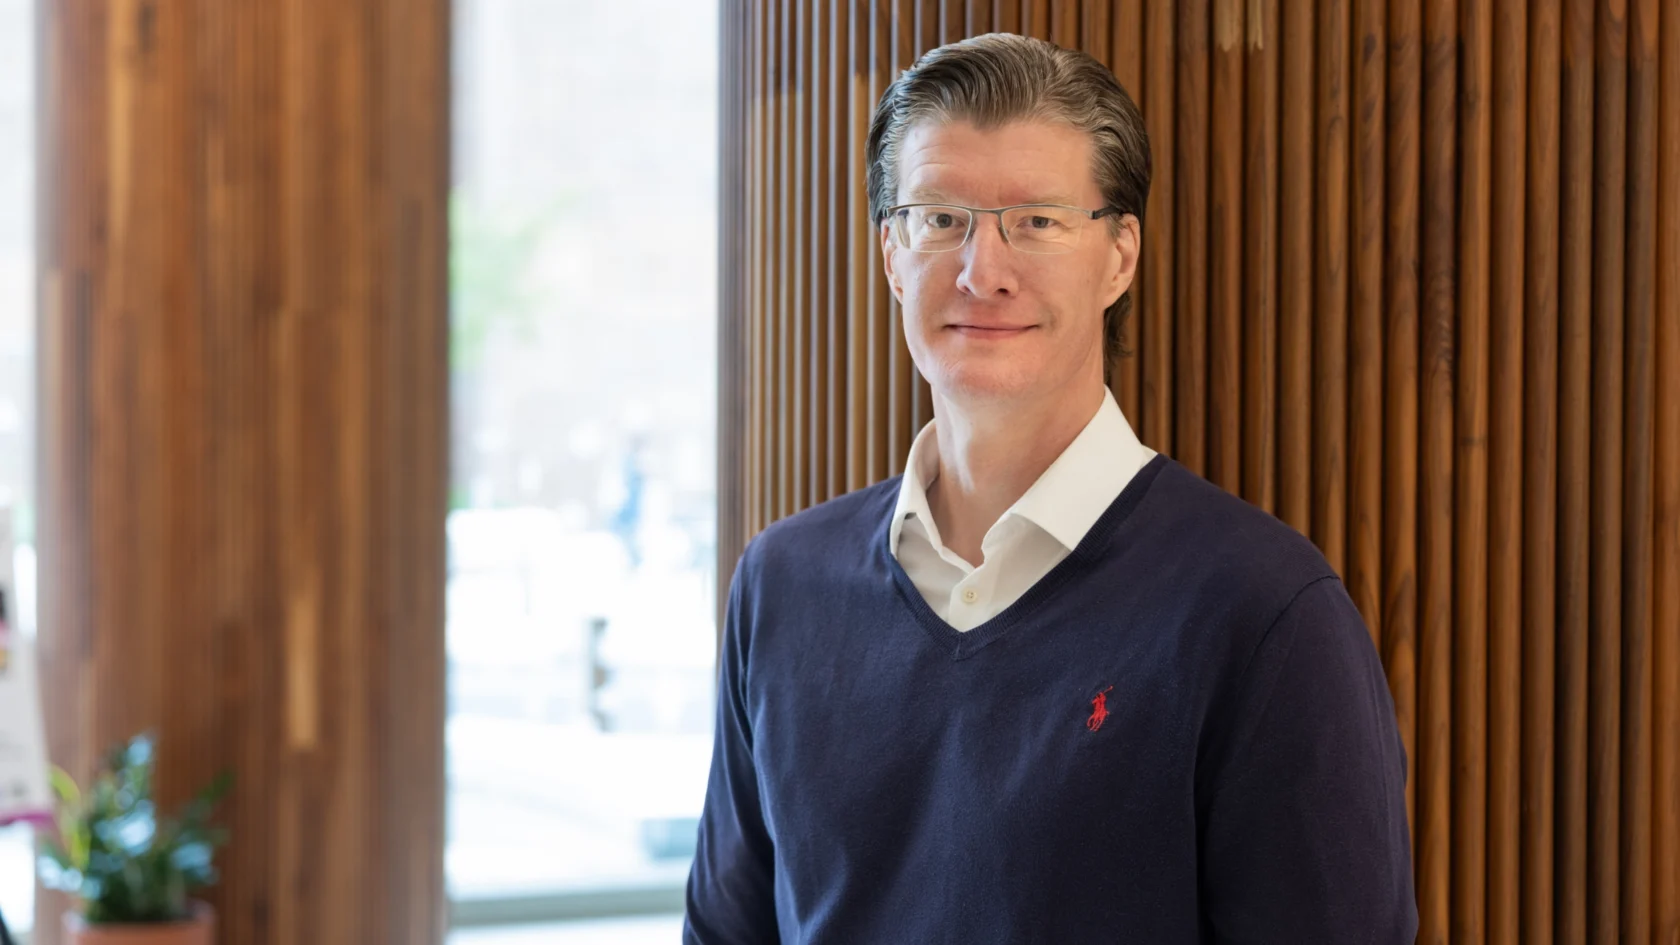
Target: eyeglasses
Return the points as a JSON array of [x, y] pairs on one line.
[[1041, 228]]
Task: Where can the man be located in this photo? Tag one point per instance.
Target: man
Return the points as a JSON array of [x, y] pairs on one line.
[[1047, 686]]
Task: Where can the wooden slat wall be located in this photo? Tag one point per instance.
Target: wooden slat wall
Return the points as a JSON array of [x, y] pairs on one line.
[[1411, 281], [243, 370]]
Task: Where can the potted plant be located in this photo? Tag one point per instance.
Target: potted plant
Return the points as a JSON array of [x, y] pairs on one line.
[[132, 873]]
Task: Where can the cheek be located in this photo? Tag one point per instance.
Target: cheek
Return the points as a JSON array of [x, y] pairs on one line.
[[925, 288]]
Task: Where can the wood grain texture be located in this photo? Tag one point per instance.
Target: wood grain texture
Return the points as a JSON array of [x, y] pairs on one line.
[[1438, 338], [1575, 274], [1160, 235], [1225, 247], [1470, 469], [1605, 611], [1665, 606], [1400, 393], [1295, 270], [1332, 146], [1634, 867], [1363, 575], [1507, 236], [245, 442], [1190, 229], [1259, 318], [1125, 44], [1540, 480]]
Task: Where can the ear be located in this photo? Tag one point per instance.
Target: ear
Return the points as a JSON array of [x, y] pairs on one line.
[[888, 247], [1123, 254]]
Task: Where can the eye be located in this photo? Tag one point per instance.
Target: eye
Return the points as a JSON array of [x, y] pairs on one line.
[[1041, 223], [941, 221]]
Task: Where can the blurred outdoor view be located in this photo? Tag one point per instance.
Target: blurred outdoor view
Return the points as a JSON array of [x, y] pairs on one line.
[[581, 536], [17, 380]]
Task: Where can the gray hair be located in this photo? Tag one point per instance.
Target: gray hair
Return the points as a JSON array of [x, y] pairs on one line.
[[999, 78]]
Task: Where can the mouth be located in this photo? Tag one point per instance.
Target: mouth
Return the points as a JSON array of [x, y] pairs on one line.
[[990, 332]]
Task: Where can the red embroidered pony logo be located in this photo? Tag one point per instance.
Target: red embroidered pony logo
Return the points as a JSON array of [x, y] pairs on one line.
[[1099, 710]]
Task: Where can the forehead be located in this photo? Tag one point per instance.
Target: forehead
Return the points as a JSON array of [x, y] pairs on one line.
[[1031, 161]]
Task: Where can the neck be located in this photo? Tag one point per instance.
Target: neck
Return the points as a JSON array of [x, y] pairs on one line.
[[989, 458]]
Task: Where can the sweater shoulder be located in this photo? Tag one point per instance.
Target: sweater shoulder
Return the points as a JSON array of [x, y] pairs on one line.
[[844, 527], [1228, 549], [1232, 535]]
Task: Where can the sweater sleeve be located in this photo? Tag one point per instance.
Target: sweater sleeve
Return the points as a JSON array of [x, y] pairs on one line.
[[731, 893], [1304, 835]]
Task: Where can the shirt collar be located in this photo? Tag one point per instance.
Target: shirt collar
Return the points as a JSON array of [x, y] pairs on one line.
[[1065, 501], [921, 468]]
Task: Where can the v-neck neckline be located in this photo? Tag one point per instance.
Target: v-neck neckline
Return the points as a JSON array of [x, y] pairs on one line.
[[965, 643]]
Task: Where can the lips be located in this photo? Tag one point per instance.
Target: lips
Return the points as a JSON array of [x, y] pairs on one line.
[[990, 331]]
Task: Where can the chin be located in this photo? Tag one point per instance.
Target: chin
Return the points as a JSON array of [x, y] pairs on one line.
[[981, 382]]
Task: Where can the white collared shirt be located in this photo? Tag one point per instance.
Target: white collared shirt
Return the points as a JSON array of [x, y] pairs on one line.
[[1032, 537]]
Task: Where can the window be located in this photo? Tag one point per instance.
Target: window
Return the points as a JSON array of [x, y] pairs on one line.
[[17, 380], [581, 629]]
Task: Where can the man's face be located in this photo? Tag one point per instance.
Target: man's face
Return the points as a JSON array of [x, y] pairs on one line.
[[988, 322]]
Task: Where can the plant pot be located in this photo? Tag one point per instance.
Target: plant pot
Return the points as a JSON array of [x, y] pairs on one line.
[[198, 930]]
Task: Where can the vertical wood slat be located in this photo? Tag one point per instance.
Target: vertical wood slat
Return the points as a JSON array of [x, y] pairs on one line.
[[1190, 229], [1634, 867], [1575, 226], [1295, 267], [1126, 45], [1665, 606], [1509, 41], [860, 230], [1435, 476], [1006, 16], [1258, 314], [1035, 17], [1365, 332], [1470, 467], [1436, 241], [1095, 37], [799, 353], [881, 319], [838, 225], [910, 28], [1330, 283], [1225, 247], [1540, 479], [751, 491], [732, 229], [780, 202], [818, 201], [1608, 369], [775, 252], [1160, 115], [1064, 23], [1400, 394], [953, 21]]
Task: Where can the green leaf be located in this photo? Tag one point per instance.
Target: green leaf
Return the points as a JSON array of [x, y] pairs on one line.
[[125, 861]]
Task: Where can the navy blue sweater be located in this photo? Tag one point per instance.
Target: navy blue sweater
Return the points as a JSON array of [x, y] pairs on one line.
[[1181, 734]]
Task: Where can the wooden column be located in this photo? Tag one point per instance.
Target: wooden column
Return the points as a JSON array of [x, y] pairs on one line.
[[243, 373]]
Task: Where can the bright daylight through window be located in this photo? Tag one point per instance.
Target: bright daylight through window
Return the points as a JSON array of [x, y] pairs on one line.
[[581, 532], [17, 379]]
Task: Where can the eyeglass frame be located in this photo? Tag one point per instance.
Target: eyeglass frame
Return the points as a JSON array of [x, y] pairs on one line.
[[1091, 215]]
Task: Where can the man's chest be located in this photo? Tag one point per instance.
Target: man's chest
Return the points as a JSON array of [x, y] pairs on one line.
[[870, 753]]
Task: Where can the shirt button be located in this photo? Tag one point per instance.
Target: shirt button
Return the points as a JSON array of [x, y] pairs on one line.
[[970, 596]]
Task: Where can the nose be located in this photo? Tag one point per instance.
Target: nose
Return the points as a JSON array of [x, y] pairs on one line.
[[988, 261]]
